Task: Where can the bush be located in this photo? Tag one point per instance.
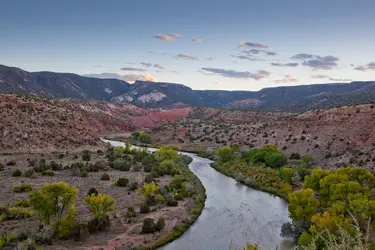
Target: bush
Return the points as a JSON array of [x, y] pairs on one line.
[[48, 172], [86, 155], [131, 212], [92, 191], [148, 226], [54, 166], [137, 167], [1, 167], [30, 172], [147, 168], [172, 203], [83, 173], [17, 173], [23, 188], [160, 224], [22, 203], [276, 160], [133, 185], [16, 213], [99, 224], [11, 163], [105, 177], [149, 179], [302, 170], [295, 156], [121, 182], [121, 164], [144, 208]]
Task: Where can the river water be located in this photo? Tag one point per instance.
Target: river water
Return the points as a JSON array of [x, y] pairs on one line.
[[233, 214]]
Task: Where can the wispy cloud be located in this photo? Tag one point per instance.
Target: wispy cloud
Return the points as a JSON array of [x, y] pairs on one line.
[[146, 64], [366, 67], [197, 40], [238, 74], [318, 76], [285, 64], [247, 58], [289, 78], [132, 69], [158, 66], [128, 78], [317, 62], [186, 57], [252, 45], [97, 66], [259, 51], [167, 38]]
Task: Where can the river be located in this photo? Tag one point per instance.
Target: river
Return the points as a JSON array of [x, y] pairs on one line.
[[233, 214]]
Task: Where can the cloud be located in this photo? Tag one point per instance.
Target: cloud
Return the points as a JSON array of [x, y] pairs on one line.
[[252, 45], [167, 38], [209, 58], [318, 76], [186, 57], [247, 58], [325, 62], [158, 66], [369, 66], [175, 72], [285, 64], [146, 64], [128, 78], [302, 56], [258, 51], [288, 78], [238, 74], [97, 66], [132, 69], [197, 40], [317, 62]]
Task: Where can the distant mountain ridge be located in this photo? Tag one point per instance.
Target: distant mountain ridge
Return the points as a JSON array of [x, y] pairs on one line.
[[159, 94]]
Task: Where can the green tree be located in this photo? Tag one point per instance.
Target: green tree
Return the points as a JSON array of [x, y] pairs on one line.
[[100, 204], [166, 153], [302, 204], [225, 154]]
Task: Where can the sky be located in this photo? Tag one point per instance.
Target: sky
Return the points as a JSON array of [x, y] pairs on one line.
[[205, 44]]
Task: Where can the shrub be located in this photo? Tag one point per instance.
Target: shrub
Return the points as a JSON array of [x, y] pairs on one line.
[[302, 170], [11, 163], [15, 213], [92, 191], [178, 197], [147, 168], [22, 203], [148, 226], [86, 155], [131, 212], [137, 167], [48, 172], [160, 224], [133, 185], [172, 203], [23, 188], [84, 173], [149, 179], [121, 182], [144, 208], [100, 204], [105, 177], [121, 164], [276, 160], [30, 172], [17, 173], [1, 167], [54, 166], [295, 156], [99, 224]]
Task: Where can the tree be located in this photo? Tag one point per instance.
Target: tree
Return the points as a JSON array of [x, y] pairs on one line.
[[276, 160], [166, 153], [100, 204], [149, 189], [52, 200], [302, 204], [287, 174], [225, 154]]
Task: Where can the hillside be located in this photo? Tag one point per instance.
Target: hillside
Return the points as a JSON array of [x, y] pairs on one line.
[[30, 123], [334, 137], [59, 85], [159, 94]]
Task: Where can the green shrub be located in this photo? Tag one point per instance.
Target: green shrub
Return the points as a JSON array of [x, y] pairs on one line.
[[23, 188], [131, 212], [172, 203], [15, 213], [99, 224], [295, 156], [30, 172], [144, 208], [148, 226], [149, 179], [86, 155], [6, 240], [48, 172], [84, 173], [105, 177], [178, 197], [133, 185], [11, 163], [137, 167], [54, 166], [92, 191], [17, 173], [276, 160], [160, 224], [22, 203], [121, 164], [121, 182]]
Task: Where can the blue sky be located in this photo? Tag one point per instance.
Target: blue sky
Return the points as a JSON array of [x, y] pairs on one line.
[[244, 44]]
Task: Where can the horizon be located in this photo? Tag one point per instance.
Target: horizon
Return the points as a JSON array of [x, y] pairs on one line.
[[237, 46]]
